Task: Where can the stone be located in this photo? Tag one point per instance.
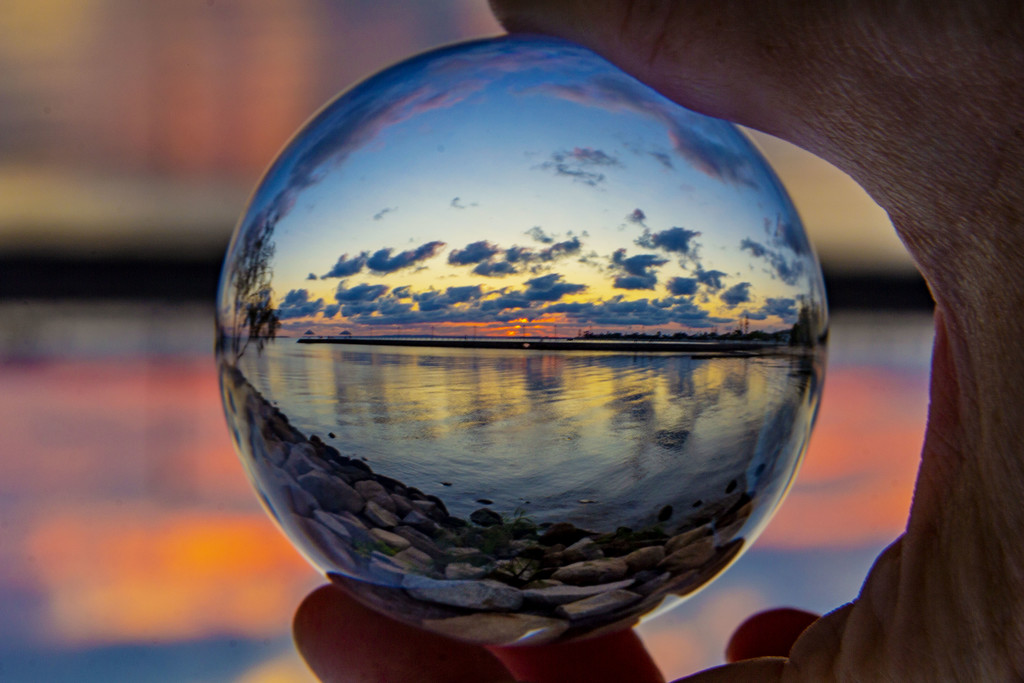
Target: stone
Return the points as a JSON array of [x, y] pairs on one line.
[[277, 453], [378, 516], [583, 549], [491, 628], [384, 572], [485, 517], [593, 571], [333, 523], [301, 459], [298, 500], [686, 538], [420, 541], [479, 595], [420, 521], [564, 533], [333, 494], [597, 605], [325, 543], [692, 556], [651, 580], [562, 594], [393, 541], [463, 570], [403, 506], [644, 558], [414, 559], [371, 490]]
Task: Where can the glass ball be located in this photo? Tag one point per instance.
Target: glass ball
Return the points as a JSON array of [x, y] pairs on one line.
[[515, 349]]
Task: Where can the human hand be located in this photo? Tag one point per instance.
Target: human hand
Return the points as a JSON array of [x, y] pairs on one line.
[[923, 106]]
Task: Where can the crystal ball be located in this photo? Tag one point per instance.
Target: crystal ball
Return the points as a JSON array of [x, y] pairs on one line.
[[515, 349]]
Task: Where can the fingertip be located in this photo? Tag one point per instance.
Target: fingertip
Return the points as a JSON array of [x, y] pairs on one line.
[[618, 656], [342, 640], [768, 634]]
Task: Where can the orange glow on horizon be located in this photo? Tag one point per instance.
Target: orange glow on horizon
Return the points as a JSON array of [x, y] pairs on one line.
[[113, 574]]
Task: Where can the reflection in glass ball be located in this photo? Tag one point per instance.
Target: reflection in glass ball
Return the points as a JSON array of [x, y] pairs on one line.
[[514, 348]]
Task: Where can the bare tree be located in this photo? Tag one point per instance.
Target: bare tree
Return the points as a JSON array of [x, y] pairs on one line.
[[254, 318]]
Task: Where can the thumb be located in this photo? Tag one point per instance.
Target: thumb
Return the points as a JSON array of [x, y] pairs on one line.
[[711, 57]]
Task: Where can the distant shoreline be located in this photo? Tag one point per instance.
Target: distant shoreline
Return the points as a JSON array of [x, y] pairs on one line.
[[555, 344]]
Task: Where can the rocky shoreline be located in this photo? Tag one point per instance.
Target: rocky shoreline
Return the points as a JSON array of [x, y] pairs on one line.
[[492, 578]]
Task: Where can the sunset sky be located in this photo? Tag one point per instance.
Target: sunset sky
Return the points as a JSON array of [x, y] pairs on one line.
[[532, 186]]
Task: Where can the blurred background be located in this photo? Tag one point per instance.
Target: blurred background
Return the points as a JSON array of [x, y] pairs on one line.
[[131, 546]]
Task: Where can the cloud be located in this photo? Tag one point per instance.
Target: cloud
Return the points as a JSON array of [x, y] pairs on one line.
[[636, 272], [676, 240], [457, 204], [789, 270], [737, 294], [637, 216], [538, 234], [707, 145], [311, 276], [383, 212], [347, 266], [782, 308], [682, 286], [361, 292], [297, 304], [383, 262], [560, 249], [474, 252], [712, 279], [579, 164], [755, 248], [495, 269], [550, 288]]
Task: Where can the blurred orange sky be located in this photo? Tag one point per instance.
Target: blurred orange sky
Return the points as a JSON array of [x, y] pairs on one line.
[[142, 128]]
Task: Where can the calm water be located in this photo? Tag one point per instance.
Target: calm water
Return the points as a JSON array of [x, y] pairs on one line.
[[578, 436]]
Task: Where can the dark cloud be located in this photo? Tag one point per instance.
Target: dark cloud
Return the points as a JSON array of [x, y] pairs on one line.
[[403, 292], [383, 262], [538, 234], [297, 304], [464, 294], [636, 272], [635, 281], [755, 248], [347, 266], [560, 249], [682, 286], [383, 212], [550, 288], [636, 216], [676, 240], [361, 292], [311, 276], [737, 294], [788, 235], [519, 254], [474, 252], [789, 270], [712, 279], [495, 269], [331, 310], [782, 308]]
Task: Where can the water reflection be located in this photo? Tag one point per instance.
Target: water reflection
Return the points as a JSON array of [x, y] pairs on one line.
[[631, 432]]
